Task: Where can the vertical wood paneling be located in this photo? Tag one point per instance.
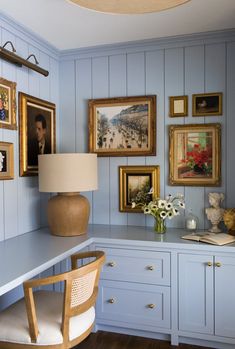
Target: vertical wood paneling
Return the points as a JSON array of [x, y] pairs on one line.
[[83, 93], [1, 182], [117, 88], [174, 85], [100, 88], [10, 186], [155, 86], [136, 86], [230, 166], [215, 81], [67, 107], [194, 83]]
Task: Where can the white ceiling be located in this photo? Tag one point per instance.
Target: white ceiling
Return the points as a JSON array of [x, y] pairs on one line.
[[67, 26]]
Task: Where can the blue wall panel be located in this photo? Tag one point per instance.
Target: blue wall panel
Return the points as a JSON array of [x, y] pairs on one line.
[[176, 68]]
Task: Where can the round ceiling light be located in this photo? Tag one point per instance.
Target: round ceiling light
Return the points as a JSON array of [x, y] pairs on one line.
[[128, 6]]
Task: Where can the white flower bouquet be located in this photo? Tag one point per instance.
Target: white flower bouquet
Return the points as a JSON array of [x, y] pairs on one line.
[[161, 209]]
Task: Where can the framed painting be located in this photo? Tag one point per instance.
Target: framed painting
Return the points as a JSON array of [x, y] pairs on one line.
[[207, 104], [195, 155], [37, 132], [124, 126], [135, 183], [7, 104], [178, 106], [6, 160]]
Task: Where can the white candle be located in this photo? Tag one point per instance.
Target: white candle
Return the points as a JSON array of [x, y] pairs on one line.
[[191, 224]]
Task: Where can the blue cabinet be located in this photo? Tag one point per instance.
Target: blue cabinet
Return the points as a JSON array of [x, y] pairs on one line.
[[206, 294], [134, 289]]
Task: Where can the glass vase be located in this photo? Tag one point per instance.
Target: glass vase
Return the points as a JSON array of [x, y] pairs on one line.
[[159, 225]]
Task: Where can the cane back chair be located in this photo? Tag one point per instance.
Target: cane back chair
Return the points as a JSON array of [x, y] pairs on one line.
[[54, 320]]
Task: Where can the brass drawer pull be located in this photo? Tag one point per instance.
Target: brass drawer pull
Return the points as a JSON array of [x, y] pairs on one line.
[[218, 264], [111, 264], [151, 306], [209, 264], [150, 267], [111, 300]]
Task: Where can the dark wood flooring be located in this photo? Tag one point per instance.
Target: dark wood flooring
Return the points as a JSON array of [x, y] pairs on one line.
[[108, 340]]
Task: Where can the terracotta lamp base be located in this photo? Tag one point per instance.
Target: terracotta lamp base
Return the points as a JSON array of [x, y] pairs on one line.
[[68, 214]]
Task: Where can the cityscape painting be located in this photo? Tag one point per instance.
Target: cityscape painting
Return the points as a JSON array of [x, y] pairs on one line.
[[123, 126]]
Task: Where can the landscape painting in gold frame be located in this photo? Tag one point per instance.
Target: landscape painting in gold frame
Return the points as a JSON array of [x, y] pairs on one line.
[[123, 126], [7, 104], [6, 160], [136, 182], [178, 106], [194, 158], [207, 104]]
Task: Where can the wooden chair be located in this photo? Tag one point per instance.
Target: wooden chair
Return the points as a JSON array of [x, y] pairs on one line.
[[56, 320]]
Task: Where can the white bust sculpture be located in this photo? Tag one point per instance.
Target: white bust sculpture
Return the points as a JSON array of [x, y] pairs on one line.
[[215, 213]]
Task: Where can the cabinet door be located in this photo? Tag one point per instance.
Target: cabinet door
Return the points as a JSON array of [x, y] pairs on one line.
[[196, 293], [225, 296]]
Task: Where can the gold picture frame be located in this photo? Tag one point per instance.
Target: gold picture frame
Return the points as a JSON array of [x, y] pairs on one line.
[[178, 106], [123, 126], [37, 131], [6, 160], [132, 180], [194, 157], [7, 104], [207, 104]]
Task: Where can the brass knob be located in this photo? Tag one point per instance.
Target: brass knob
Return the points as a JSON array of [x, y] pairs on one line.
[[111, 300], [218, 264], [111, 264], [150, 267], [151, 306], [209, 264]]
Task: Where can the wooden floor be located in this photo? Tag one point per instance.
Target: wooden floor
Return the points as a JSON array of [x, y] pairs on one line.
[[107, 340]]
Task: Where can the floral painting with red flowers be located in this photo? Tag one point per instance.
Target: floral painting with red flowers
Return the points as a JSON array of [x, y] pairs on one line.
[[195, 154]]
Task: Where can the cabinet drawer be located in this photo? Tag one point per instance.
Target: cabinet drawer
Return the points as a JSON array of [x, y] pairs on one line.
[[134, 304], [136, 266]]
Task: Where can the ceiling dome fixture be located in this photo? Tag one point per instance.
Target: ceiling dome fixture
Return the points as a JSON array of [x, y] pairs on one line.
[[128, 6]]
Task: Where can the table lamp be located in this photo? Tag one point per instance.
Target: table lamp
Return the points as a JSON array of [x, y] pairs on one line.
[[68, 175]]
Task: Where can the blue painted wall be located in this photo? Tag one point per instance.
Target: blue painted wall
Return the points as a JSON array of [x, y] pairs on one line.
[[170, 67], [22, 208]]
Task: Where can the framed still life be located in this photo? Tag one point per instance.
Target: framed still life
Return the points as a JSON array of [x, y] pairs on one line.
[[135, 183], [195, 155], [37, 132], [7, 104], [6, 160], [124, 126]]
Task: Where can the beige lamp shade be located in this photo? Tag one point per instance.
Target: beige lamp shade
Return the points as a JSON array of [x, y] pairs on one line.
[[128, 6], [68, 175], [65, 173]]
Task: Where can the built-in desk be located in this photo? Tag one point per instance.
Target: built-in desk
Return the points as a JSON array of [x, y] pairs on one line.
[[158, 286]]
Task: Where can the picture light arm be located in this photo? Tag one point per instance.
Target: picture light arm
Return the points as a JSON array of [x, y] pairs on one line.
[[13, 58]]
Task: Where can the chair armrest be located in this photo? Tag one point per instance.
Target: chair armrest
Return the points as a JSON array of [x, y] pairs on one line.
[[82, 255]]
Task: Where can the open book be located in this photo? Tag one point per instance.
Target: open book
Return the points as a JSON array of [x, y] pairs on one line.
[[211, 238]]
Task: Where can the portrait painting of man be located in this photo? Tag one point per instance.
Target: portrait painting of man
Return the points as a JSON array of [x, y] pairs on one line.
[[37, 132]]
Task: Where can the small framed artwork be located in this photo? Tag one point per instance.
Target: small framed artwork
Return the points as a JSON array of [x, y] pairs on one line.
[[195, 155], [178, 106], [135, 183], [37, 132], [7, 104], [207, 104], [124, 126], [6, 160]]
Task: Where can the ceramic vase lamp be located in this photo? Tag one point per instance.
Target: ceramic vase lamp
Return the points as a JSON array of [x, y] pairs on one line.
[[67, 175]]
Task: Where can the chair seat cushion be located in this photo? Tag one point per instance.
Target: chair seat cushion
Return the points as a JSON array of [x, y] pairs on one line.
[[14, 321]]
